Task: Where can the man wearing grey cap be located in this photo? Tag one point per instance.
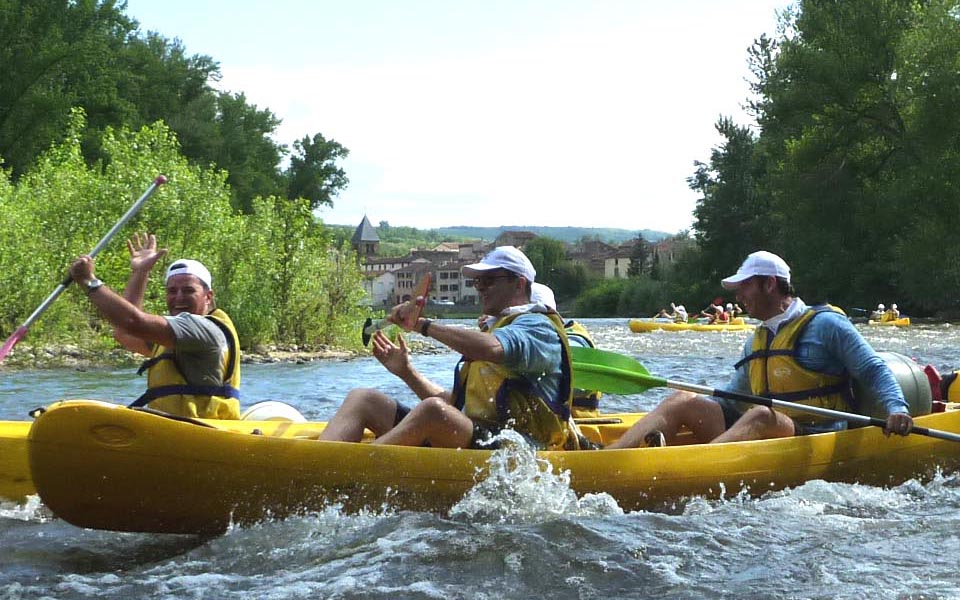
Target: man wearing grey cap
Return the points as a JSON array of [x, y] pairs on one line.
[[194, 365], [800, 353], [514, 374]]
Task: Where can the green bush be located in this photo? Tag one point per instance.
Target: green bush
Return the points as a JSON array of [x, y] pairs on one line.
[[275, 271]]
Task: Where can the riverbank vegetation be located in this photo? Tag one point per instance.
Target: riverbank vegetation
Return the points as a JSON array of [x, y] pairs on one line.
[[276, 269]]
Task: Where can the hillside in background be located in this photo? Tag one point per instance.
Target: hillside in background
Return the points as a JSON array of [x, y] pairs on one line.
[[564, 234], [398, 240]]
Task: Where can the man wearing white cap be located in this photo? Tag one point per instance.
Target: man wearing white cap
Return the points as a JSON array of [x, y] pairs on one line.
[[515, 374], [194, 369], [800, 353]]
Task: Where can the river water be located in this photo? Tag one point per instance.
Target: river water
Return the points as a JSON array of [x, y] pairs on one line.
[[819, 540]]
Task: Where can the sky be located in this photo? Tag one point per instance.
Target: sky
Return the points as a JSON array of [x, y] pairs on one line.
[[584, 113]]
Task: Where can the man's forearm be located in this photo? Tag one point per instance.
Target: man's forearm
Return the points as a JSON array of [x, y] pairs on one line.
[[136, 287], [474, 345]]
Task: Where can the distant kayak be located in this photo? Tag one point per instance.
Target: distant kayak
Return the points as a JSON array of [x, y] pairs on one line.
[[643, 325], [901, 322]]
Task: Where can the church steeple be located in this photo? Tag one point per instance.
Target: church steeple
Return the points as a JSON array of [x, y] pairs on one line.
[[365, 240]]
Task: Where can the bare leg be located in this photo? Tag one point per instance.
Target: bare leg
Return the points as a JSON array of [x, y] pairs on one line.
[[433, 421], [363, 408], [702, 416], [758, 423]]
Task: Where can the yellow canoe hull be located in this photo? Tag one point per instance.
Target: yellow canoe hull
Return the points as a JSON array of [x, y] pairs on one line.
[[644, 325], [15, 481], [110, 467], [901, 322]]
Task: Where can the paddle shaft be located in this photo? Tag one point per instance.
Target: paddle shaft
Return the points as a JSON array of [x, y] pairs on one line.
[[611, 372], [816, 410], [22, 330]]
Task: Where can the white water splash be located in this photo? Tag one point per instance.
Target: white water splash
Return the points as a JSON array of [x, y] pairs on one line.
[[31, 510], [520, 487]]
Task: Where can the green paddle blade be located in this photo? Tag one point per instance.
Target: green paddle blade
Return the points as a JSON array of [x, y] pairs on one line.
[[610, 372]]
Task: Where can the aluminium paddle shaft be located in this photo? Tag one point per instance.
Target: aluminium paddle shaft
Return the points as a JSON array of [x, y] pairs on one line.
[[22, 330], [816, 410], [160, 180]]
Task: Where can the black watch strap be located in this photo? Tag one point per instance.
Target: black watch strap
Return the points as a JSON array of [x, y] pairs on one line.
[[425, 327]]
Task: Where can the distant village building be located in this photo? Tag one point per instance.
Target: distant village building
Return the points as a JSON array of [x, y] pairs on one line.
[[591, 255], [365, 240], [514, 238], [373, 266], [472, 251], [392, 280], [379, 289], [408, 277], [449, 283], [617, 263]]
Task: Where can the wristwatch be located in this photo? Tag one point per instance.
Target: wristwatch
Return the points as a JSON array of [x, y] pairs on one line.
[[425, 327], [93, 285]]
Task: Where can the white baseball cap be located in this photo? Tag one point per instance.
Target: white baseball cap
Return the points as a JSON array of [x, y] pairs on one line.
[[187, 266], [503, 257], [758, 263], [542, 294]]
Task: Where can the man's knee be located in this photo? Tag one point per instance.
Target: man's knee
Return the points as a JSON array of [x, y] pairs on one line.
[[430, 408], [773, 422], [687, 404], [365, 400], [678, 400]]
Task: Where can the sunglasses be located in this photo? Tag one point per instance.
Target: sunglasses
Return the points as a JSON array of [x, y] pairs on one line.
[[488, 280]]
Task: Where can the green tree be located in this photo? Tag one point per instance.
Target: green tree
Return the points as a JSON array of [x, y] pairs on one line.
[[732, 217], [246, 150], [640, 258], [54, 54], [833, 137], [313, 173]]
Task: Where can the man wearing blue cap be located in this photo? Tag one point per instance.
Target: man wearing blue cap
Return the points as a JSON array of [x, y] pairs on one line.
[[515, 373], [800, 353], [194, 365]]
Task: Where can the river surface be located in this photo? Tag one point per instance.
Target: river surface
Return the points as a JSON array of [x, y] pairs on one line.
[[819, 540]]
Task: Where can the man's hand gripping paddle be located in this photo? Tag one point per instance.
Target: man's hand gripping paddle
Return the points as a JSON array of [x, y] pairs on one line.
[[419, 299]]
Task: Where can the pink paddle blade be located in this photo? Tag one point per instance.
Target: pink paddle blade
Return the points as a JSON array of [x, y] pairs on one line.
[[12, 341]]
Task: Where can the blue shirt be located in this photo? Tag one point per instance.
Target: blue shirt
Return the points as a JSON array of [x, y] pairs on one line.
[[831, 344], [532, 349]]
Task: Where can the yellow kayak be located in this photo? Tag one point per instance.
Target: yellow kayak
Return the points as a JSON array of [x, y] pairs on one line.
[[110, 467], [901, 322], [644, 325]]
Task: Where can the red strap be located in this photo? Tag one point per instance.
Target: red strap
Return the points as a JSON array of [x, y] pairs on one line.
[[933, 376]]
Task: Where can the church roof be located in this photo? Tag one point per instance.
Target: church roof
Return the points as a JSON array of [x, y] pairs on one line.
[[365, 232]]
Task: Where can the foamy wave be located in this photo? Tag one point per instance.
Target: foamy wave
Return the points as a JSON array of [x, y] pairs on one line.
[[30, 510], [520, 487]]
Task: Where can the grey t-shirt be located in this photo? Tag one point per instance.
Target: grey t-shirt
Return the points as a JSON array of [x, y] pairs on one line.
[[201, 349]]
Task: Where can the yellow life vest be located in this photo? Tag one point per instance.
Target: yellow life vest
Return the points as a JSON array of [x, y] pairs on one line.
[[169, 391], [494, 396], [950, 389], [775, 373], [586, 403]]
